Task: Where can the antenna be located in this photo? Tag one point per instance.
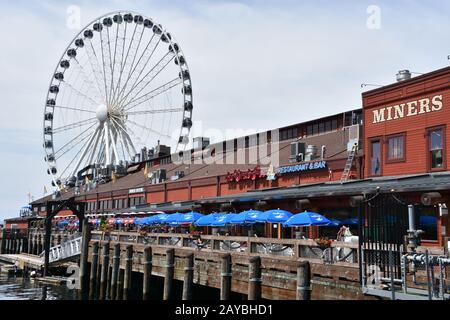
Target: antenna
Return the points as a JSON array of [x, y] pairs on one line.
[[370, 84]]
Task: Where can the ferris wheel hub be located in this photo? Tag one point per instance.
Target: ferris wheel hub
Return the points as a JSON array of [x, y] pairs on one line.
[[102, 113]]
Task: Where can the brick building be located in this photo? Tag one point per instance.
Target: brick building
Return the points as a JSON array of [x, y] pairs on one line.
[[402, 143]]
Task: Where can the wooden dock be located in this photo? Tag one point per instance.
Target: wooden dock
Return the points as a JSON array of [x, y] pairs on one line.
[[253, 271], [22, 260]]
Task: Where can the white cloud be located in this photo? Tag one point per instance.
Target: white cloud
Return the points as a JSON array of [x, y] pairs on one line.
[[254, 65]]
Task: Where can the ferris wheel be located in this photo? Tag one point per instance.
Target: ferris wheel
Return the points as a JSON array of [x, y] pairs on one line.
[[121, 85]]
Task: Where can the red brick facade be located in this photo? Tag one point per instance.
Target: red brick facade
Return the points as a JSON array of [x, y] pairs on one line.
[[408, 109]]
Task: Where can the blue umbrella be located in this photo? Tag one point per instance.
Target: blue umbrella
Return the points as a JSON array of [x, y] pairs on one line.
[[334, 223], [306, 219], [138, 221], [174, 219], [277, 216], [247, 217], [118, 221], [206, 221], [390, 219], [159, 218], [63, 222], [145, 221], [222, 220], [351, 221], [190, 217], [427, 220]]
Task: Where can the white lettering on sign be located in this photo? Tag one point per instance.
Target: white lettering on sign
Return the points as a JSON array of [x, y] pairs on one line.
[[137, 190], [408, 109]]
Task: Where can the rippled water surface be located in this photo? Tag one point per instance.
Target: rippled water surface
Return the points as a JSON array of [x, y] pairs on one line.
[[17, 288]]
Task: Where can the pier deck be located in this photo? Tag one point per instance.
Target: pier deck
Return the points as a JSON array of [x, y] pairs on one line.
[[24, 259]]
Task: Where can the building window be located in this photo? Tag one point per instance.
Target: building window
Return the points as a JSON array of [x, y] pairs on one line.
[[289, 133], [334, 124], [321, 127], [375, 157], [436, 148], [396, 148]]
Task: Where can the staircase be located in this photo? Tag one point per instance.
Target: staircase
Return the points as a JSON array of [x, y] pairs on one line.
[[65, 251], [349, 163]]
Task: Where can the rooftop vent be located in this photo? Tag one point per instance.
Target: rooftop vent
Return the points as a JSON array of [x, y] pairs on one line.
[[403, 75], [200, 143]]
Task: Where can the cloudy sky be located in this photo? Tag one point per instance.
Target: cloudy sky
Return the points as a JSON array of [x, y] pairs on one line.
[[254, 64]]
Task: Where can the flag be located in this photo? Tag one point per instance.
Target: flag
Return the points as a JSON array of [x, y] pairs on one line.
[[86, 180], [113, 177], [45, 190], [146, 170]]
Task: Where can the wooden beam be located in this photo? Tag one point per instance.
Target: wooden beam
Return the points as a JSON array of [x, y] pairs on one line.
[[254, 278], [188, 282], [127, 274], [147, 273], [168, 274]]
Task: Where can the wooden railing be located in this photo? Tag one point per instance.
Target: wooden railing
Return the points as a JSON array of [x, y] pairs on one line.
[[340, 253]]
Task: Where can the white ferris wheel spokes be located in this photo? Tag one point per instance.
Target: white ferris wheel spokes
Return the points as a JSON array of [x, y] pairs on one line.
[[122, 84]]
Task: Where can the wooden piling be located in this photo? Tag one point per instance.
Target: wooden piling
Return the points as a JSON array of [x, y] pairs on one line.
[[303, 281], [168, 274], [40, 245], [3, 241], [225, 284], [120, 280], [25, 245], [108, 283], [115, 271], [188, 283], [84, 283], [127, 273], [93, 273], [104, 272], [254, 278], [13, 244], [147, 273], [29, 243], [34, 245], [7, 246]]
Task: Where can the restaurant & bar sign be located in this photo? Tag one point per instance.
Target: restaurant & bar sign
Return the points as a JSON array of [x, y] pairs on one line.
[[308, 166]]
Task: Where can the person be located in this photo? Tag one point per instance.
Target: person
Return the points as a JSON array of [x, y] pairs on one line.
[[342, 233]]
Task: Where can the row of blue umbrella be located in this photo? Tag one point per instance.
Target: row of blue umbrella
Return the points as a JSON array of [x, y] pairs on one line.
[[248, 217]]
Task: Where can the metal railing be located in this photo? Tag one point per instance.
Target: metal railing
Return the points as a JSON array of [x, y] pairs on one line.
[[66, 250]]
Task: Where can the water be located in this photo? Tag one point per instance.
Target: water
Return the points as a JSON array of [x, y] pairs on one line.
[[18, 288]]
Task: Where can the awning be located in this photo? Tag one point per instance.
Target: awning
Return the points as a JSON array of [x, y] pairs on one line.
[[412, 183]]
